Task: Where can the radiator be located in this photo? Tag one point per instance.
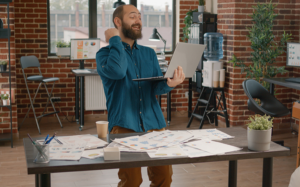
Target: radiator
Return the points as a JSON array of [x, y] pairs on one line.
[[94, 93]]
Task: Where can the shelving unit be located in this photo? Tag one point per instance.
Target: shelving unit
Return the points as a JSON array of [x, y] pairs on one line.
[[5, 34]]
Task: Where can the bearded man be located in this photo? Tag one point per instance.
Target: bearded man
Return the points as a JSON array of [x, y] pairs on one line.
[[132, 106]]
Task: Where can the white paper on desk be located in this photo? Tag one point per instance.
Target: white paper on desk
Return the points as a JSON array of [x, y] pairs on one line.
[[81, 71], [174, 151], [91, 142], [212, 146], [171, 138], [192, 152], [91, 154], [65, 152], [139, 143], [212, 134], [123, 148]]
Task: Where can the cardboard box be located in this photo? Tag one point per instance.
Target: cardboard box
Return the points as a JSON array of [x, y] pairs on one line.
[[296, 110], [111, 153]]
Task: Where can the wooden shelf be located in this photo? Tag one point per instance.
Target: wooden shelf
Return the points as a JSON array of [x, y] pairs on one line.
[[4, 33]]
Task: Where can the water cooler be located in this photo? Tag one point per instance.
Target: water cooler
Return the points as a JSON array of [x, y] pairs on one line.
[[212, 53]]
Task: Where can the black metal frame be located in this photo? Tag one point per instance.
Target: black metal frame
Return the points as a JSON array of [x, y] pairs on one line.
[[9, 72], [93, 19]]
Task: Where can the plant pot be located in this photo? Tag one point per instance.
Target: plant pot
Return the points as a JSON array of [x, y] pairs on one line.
[[200, 8], [65, 51], [3, 67], [4, 102], [259, 140]]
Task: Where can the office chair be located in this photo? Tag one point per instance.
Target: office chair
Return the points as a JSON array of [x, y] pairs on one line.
[[269, 104], [32, 61]]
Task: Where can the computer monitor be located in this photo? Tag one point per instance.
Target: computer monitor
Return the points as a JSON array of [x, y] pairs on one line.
[[293, 54], [84, 49], [293, 58]]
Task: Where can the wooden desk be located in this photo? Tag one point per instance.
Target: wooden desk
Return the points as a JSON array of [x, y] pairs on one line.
[[129, 160], [282, 82]]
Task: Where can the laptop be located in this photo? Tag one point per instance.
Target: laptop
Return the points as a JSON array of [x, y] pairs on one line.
[[186, 55]]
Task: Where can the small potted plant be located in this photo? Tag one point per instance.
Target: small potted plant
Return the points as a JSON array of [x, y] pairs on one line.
[[201, 5], [259, 132], [3, 65], [63, 48], [4, 98]]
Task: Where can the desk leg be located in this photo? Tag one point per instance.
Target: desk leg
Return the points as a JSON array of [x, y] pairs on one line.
[[37, 183], [77, 99], [190, 98], [169, 107], [81, 102], [232, 174], [43, 180], [267, 172], [272, 88]]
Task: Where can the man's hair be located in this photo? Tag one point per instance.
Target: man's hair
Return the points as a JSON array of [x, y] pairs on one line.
[[118, 13]]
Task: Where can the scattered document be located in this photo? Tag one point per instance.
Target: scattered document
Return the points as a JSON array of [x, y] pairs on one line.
[[66, 152], [212, 134], [212, 146], [193, 152], [91, 154], [124, 148], [91, 141], [140, 143], [174, 151]]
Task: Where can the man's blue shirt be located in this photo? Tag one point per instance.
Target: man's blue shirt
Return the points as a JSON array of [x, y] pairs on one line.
[[131, 104]]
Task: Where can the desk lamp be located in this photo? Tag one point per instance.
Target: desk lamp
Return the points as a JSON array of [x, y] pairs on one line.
[[118, 3], [156, 37]]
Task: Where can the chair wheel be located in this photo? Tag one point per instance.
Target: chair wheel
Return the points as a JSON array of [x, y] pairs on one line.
[[80, 128]]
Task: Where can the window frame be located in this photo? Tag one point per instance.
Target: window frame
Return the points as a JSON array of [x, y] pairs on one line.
[[93, 19]]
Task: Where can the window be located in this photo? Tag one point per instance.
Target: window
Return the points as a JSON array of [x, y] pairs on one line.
[[70, 19]]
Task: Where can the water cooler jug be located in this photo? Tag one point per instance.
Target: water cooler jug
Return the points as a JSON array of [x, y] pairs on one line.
[[213, 53]]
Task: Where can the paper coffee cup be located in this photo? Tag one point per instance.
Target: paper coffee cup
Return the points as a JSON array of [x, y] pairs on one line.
[[216, 79], [102, 127]]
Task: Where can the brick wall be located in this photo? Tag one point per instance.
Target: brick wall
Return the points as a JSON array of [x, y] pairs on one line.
[[30, 31], [232, 23], [4, 77]]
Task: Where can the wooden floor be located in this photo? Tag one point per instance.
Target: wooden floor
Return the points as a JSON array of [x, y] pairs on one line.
[[13, 167]]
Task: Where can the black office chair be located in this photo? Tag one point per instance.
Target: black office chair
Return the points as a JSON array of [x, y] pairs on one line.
[[32, 61], [269, 104]]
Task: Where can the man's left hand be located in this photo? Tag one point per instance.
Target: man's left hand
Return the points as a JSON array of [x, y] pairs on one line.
[[178, 77]]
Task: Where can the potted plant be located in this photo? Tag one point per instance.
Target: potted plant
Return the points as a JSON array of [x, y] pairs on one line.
[[201, 5], [259, 132], [4, 98], [3, 65], [188, 20], [264, 45], [63, 48]]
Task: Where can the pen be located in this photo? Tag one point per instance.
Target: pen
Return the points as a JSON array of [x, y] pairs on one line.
[[46, 138], [51, 138], [58, 141]]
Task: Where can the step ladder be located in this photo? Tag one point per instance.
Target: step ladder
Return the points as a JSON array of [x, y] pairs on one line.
[[215, 106]]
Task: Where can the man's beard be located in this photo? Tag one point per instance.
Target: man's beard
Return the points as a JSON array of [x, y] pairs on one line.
[[128, 32]]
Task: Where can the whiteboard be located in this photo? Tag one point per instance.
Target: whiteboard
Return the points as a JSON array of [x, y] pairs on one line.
[[293, 54], [83, 49]]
